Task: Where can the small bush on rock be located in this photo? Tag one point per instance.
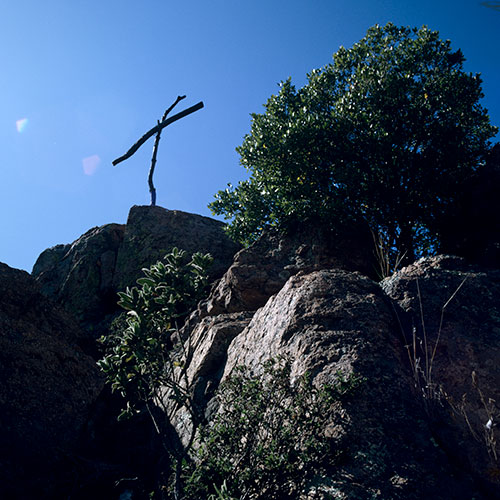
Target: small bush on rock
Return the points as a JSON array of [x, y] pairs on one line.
[[268, 437], [140, 357]]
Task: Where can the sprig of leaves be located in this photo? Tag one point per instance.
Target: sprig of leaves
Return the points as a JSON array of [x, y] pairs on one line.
[[140, 355]]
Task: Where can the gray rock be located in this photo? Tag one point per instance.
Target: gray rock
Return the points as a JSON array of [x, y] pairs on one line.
[[80, 276], [209, 343], [48, 387], [262, 269], [326, 321], [86, 275], [50, 267], [334, 320], [153, 231], [458, 308], [308, 296]]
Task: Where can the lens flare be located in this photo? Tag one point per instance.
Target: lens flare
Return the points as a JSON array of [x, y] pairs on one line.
[[90, 164], [21, 124]]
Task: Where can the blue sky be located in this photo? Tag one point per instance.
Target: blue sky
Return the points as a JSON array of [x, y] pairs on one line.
[[81, 81]]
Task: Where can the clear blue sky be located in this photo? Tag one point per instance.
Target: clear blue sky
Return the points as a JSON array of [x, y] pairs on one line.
[[81, 81]]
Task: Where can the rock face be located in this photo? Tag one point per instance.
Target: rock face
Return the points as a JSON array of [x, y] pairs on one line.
[[333, 320], [151, 232], [262, 269], [420, 340], [48, 386], [400, 444], [460, 307], [86, 275], [80, 276], [84, 278]]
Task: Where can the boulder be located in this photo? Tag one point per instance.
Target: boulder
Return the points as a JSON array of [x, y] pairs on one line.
[[333, 320], [86, 275], [153, 231], [262, 269], [451, 313], [208, 346], [79, 276], [205, 343], [257, 273], [326, 321], [47, 391], [406, 432], [50, 268]]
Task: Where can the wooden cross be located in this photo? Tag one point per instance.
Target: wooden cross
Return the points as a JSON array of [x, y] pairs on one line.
[[157, 130]]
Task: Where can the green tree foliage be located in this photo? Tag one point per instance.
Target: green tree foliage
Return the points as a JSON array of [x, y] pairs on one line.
[[387, 133], [267, 439], [141, 356]]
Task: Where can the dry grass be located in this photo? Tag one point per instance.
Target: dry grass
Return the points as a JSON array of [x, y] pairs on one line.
[[421, 354]]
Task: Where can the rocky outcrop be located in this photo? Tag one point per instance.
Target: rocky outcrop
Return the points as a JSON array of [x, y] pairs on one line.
[[80, 276], [400, 444], [407, 432], [209, 342], [454, 310], [48, 387], [85, 276], [151, 232], [262, 269]]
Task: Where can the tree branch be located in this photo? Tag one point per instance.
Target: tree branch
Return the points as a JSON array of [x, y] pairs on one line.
[[156, 129]]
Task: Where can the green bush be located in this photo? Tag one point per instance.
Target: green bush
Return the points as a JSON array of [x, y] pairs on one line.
[[140, 357], [267, 439], [389, 133]]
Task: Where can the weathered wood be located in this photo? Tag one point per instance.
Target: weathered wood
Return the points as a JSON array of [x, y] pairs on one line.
[[152, 189], [157, 129]]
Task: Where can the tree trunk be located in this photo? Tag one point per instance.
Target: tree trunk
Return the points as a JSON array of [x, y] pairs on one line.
[[405, 244]]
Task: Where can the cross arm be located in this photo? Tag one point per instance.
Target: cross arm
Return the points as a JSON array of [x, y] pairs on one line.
[[156, 129]]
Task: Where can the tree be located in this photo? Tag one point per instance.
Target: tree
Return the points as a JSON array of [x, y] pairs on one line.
[[388, 133]]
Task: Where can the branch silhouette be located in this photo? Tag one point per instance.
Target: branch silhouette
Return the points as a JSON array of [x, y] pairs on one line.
[[156, 129], [491, 5], [152, 189]]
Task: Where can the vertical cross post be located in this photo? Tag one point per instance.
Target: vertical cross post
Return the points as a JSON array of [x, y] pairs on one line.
[[152, 189], [157, 130]]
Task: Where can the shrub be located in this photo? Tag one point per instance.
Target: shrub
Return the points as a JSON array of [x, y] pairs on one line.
[[140, 357], [389, 133], [267, 439]]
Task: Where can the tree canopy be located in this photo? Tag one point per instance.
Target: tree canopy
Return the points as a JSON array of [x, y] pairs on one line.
[[388, 133]]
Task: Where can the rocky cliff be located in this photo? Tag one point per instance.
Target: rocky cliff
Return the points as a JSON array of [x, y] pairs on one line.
[[426, 342], [47, 391]]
